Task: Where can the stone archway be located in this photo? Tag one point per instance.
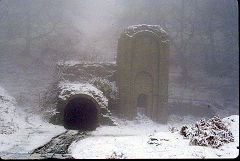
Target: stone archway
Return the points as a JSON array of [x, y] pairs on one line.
[[143, 88], [142, 103], [143, 62], [81, 113]]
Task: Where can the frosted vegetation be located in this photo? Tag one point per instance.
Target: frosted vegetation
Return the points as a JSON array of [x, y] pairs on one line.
[[212, 132], [108, 88]]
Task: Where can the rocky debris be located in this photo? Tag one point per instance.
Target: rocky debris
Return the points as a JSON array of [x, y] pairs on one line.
[[173, 129], [116, 155], [163, 139], [60, 143], [212, 132], [155, 141]]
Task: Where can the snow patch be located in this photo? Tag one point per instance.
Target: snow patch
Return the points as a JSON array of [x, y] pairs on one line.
[[142, 138], [71, 63]]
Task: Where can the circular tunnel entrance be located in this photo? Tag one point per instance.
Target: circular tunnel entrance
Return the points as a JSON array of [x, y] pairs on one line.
[[81, 114]]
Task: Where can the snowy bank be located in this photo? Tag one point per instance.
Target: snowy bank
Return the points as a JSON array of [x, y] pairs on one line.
[[143, 138], [8, 113], [21, 131]]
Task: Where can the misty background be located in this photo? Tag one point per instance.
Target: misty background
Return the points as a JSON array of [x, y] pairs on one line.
[[204, 50]]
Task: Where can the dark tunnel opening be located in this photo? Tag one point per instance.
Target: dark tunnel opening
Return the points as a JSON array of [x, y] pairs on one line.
[[81, 114]]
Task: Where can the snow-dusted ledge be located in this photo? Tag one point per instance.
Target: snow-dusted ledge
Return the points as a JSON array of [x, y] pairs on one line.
[[69, 89]]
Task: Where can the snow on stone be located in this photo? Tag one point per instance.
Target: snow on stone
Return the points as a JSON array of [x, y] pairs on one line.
[[68, 89], [135, 28], [71, 63], [68, 63], [132, 30]]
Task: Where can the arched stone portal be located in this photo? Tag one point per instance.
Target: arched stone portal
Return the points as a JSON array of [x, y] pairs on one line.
[[142, 104], [143, 89], [81, 113], [142, 101], [142, 61]]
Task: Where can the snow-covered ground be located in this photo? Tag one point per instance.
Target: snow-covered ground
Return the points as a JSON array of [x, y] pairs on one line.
[[141, 138], [132, 139], [32, 133], [21, 131]]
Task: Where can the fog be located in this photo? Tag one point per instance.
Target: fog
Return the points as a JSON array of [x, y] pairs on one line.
[[204, 50]]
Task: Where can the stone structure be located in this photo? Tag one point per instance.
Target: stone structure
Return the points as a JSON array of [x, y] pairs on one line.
[[142, 62], [80, 106]]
